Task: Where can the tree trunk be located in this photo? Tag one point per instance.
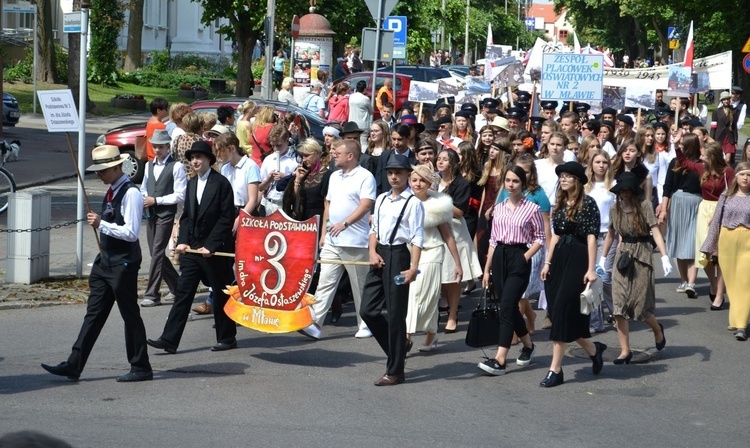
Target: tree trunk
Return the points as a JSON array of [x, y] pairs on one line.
[[245, 81], [74, 74], [46, 70], [135, 32], [663, 41]]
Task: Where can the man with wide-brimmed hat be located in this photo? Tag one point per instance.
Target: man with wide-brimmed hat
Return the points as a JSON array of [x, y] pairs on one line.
[[206, 226], [114, 274], [163, 189]]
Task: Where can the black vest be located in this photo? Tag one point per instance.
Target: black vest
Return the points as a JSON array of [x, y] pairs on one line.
[[116, 251], [161, 187]]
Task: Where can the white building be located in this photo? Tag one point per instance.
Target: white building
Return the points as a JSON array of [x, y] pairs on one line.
[[174, 25]]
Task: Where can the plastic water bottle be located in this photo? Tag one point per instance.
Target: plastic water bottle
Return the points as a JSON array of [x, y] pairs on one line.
[[600, 272], [401, 278]]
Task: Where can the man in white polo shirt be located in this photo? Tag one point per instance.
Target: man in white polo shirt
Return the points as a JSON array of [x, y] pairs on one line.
[[345, 236], [276, 166]]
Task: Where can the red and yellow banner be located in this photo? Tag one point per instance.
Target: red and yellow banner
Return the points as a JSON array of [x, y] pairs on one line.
[[274, 261]]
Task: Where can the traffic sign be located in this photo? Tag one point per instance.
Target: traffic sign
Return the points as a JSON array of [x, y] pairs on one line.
[[295, 27], [673, 33], [72, 22], [746, 48], [674, 44], [746, 63], [388, 6], [397, 24], [530, 23]]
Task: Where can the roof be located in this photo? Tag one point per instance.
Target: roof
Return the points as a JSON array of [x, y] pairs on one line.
[[544, 10]]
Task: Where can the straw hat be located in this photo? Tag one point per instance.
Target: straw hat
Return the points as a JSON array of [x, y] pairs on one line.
[[106, 156]]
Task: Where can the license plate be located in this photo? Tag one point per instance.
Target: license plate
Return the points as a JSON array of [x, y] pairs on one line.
[[15, 115]]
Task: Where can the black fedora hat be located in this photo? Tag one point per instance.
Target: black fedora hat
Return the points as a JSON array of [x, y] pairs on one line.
[[351, 127], [574, 168], [201, 147], [398, 162], [628, 181], [430, 126]]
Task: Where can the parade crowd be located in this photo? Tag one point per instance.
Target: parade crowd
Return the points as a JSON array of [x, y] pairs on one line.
[[421, 206]]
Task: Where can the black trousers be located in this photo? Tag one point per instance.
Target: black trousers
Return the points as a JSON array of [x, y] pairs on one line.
[[510, 278], [193, 268], [381, 291], [109, 285]]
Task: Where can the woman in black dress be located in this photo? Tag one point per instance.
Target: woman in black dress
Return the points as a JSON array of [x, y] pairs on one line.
[[569, 266]]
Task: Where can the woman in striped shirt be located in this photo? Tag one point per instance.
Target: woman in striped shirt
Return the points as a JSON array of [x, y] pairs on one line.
[[517, 223]]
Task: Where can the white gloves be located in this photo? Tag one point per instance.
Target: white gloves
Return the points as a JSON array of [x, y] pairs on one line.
[[667, 265], [602, 262]]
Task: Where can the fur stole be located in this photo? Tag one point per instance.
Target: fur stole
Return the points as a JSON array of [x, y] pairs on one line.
[[438, 209]]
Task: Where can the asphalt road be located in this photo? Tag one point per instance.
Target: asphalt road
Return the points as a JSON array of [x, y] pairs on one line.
[[287, 390]]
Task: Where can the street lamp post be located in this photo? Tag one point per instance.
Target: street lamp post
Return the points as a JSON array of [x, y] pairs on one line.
[[466, 38]]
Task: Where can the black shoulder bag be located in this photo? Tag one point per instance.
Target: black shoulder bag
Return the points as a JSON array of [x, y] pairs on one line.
[[484, 325]]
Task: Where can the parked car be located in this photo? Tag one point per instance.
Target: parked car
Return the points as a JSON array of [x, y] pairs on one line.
[[11, 111], [124, 137], [423, 73], [401, 87]]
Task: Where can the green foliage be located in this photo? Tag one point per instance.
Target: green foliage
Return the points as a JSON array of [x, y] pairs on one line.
[[164, 80], [106, 20], [22, 71]]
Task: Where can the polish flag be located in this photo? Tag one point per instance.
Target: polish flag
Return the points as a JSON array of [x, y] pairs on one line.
[[489, 35], [576, 44], [689, 49]]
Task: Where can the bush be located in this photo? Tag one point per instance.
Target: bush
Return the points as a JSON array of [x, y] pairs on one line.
[[164, 80], [22, 71], [106, 19]]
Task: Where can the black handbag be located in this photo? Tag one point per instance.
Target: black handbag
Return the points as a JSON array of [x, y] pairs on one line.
[[625, 261], [484, 325]]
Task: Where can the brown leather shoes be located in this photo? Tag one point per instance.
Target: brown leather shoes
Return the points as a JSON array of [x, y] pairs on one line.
[[203, 308], [390, 380]]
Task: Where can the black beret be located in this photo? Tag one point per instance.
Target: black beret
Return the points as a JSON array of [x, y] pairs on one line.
[[549, 105]]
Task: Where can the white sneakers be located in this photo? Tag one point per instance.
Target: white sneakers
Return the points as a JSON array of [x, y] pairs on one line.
[[312, 332], [363, 333]]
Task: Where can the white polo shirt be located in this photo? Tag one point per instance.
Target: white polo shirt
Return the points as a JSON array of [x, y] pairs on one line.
[[245, 172], [270, 164], [345, 193]]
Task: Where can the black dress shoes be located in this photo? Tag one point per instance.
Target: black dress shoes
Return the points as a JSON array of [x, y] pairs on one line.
[[390, 380], [223, 346], [335, 316], [140, 375], [597, 358], [161, 344], [63, 369], [552, 379]]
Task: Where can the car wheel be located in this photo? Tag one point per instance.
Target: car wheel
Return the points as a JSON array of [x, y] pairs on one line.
[[133, 168]]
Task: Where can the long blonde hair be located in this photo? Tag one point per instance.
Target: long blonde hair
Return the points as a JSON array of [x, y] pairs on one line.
[[497, 165], [608, 176], [734, 187], [647, 152], [716, 165]]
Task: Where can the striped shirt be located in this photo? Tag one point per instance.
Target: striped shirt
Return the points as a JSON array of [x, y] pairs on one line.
[[522, 225]]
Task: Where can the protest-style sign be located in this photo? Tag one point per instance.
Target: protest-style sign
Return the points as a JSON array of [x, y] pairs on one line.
[[718, 68], [59, 109], [568, 76], [274, 264], [447, 87], [643, 97], [614, 97], [507, 75], [423, 91], [679, 81]]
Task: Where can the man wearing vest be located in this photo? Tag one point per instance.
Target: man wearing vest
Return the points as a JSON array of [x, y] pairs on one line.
[[114, 274], [206, 226], [163, 189]]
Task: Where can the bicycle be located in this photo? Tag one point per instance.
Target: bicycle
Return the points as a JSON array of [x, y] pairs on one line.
[[7, 186]]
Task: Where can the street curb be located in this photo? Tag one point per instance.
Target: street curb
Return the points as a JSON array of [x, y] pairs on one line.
[[28, 304], [45, 181]]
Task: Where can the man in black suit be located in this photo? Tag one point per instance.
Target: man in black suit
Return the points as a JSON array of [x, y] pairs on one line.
[[400, 134], [205, 225]]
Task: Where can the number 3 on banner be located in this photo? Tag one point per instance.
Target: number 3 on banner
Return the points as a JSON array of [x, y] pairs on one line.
[[275, 245]]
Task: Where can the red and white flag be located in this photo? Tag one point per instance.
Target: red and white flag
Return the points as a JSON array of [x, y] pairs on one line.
[[576, 44], [689, 49]]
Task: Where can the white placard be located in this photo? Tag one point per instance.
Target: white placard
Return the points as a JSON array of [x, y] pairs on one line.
[[717, 67], [642, 96], [568, 76], [423, 92], [59, 110]]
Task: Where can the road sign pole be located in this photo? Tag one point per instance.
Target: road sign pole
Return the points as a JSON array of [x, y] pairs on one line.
[[378, 27], [36, 49], [83, 56]]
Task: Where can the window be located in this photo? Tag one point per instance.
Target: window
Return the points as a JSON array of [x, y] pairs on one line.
[[563, 34]]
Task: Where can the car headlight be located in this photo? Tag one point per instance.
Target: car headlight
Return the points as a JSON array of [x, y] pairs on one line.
[[101, 140]]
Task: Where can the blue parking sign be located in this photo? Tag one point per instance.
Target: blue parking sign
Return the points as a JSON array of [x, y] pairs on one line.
[[397, 24], [530, 23]]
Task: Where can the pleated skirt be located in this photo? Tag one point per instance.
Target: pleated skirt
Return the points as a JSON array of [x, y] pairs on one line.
[[683, 213], [706, 211], [734, 258], [424, 292]]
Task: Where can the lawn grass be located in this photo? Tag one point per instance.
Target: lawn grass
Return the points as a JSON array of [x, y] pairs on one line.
[[100, 95]]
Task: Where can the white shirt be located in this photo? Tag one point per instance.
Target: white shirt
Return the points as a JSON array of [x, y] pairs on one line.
[[245, 172], [740, 115], [131, 209], [270, 164], [179, 183], [345, 193], [360, 110], [653, 170], [479, 122], [605, 199], [450, 143], [387, 210], [569, 156], [547, 178], [663, 160], [609, 149], [201, 185]]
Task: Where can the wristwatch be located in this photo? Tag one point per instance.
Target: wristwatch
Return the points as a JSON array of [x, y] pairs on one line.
[[346, 224]]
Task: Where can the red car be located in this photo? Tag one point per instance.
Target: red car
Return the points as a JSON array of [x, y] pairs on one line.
[[401, 87], [124, 137]]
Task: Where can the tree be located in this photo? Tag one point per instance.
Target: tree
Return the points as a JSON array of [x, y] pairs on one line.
[[106, 20], [74, 57], [47, 63], [135, 34]]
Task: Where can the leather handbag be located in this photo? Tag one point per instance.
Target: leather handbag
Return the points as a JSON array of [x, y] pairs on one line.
[[589, 300], [625, 261], [484, 325]]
